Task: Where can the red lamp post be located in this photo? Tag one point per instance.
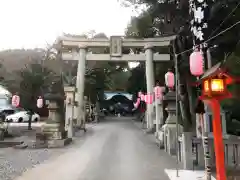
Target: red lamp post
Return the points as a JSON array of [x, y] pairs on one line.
[[214, 89]]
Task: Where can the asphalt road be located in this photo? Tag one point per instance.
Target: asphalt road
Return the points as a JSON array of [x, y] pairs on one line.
[[113, 150]]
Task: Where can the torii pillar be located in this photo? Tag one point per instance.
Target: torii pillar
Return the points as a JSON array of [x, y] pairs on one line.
[[80, 55], [150, 82]]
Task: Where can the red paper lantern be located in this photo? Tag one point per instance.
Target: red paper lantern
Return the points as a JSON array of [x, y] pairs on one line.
[[196, 63], [137, 103], [149, 98], [15, 100], [138, 100], [169, 79], [39, 102], [142, 97], [158, 92]]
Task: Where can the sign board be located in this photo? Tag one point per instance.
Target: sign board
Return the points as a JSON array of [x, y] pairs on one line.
[[116, 46]]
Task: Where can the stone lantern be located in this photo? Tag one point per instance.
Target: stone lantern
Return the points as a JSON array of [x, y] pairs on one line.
[[170, 128], [54, 131]]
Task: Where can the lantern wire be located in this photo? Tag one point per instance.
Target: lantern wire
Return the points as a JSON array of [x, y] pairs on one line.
[[211, 38]]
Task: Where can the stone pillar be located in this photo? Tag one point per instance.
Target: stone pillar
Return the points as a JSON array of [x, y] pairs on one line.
[[69, 106], [84, 113], [150, 82], [159, 119], [80, 82], [187, 150], [198, 126], [170, 127], [159, 114]]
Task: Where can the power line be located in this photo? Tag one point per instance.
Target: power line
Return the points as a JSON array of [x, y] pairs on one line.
[[233, 50], [211, 38]]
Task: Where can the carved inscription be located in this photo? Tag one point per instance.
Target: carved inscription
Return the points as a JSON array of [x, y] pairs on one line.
[[116, 46]]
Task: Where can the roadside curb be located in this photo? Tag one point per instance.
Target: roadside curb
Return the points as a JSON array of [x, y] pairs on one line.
[[9, 143]]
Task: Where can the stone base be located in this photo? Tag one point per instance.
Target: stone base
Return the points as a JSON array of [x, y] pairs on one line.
[[170, 138], [56, 143], [160, 139], [53, 131], [150, 130], [52, 136], [172, 151]]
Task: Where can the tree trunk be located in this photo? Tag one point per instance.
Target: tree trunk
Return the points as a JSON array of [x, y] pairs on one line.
[[191, 104], [184, 100]]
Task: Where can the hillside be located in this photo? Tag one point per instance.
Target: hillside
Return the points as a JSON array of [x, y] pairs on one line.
[[16, 59]]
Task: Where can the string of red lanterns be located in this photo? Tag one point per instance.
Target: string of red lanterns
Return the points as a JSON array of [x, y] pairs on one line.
[[137, 103], [16, 101], [148, 98], [158, 92]]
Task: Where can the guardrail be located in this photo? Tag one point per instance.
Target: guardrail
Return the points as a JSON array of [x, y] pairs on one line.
[[231, 150]]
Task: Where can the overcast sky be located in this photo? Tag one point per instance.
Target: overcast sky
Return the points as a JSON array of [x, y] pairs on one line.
[[33, 23]]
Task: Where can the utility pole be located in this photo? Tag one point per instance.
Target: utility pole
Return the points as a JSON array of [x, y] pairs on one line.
[[177, 123]]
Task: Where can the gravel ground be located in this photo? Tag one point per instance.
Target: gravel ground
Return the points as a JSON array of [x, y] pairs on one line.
[[13, 162]]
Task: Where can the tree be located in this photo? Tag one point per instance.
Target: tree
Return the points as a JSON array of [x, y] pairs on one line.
[[137, 80], [35, 81]]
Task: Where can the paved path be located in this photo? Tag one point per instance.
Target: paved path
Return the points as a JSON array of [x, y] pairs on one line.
[[116, 150]]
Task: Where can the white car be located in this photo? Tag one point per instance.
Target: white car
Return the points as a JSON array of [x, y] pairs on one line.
[[22, 116]]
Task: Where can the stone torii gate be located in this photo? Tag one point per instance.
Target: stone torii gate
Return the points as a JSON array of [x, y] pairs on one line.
[[75, 48]]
